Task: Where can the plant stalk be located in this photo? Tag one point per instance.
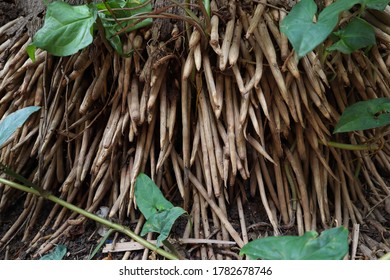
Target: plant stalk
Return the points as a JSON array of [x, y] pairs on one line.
[[94, 217], [353, 147]]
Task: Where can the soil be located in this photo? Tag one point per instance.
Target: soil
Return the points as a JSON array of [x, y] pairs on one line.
[[8, 11], [83, 239]]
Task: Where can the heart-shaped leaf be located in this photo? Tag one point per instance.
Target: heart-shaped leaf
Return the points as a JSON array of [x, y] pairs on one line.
[[356, 35], [303, 33], [13, 121], [332, 244], [162, 223], [375, 4], [66, 29], [150, 199], [159, 213], [365, 115]]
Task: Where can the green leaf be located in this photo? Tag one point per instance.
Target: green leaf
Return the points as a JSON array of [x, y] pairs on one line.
[[150, 199], [110, 32], [13, 121], [356, 35], [31, 51], [66, 29], [120, 3], [305, 35], [162, 223], [102, 241], [159, 213], [332, 244], [58, 254], [336, 8], [127, 17], [365, 115], [375, 4], [112, 4], [297, 25]]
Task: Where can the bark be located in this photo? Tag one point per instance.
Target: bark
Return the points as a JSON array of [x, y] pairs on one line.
[[30, 6], [162, 28]]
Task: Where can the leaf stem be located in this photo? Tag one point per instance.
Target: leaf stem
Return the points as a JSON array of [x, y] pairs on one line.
[[94, 217], [101, 243], [353, 147], [170, 246]]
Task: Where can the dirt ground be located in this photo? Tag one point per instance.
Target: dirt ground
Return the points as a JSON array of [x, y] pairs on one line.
[[83, 239], [8, 11]]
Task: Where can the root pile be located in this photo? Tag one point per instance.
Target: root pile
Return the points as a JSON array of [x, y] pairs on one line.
[[215, 127]]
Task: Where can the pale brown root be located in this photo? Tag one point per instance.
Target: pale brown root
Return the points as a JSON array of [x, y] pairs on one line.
[[234, 50], [241, 215], [163, 115], [264, 40], [186, 124], [207, 252], [318, 187], [230, 124], [257, 15], [264, 200], [257, 146], [172, 114], [239, 79], [280, 190], [198, 57], [155, 90], [284, 49], [205, 117], [258, 72], [194, 39], [217, 100], [216, 97], [226, 43], [217, 145], [214, 35]]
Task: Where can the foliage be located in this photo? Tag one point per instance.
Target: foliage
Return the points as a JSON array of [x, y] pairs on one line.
[[305, 35], [160, 214], [91, 216], [356, 35], [58, 254], [332, 244], [102, 241], [121, 15], [365, 115], [13, 121], [7, 127], [68, 29]]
